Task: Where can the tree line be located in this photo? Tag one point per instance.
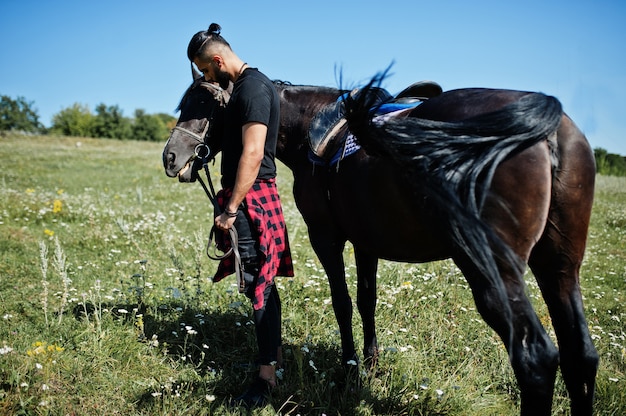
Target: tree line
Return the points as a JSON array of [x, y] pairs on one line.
[[609, 163], [78, 120], [109, 122]]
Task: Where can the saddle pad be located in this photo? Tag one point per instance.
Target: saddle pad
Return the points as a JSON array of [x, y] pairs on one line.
[[351, 146]]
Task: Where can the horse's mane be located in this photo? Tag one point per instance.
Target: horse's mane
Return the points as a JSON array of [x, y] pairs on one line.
[[220, 94], [453, 163], [313, 88]]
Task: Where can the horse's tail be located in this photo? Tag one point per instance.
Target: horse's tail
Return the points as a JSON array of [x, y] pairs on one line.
[[452, 163]]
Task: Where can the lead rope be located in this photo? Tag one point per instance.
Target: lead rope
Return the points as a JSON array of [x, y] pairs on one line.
[[232, 231]]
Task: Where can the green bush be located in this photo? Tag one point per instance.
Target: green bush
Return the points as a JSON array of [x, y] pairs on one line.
[[609, 163]]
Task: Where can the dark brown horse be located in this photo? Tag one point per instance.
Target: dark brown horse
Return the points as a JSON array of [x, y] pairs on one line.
[[494, 179]]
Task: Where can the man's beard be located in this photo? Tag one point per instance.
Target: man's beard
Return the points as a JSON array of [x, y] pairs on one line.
[[223, 79]]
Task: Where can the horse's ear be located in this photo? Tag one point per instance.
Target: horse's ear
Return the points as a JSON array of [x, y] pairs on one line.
[[195, 74]]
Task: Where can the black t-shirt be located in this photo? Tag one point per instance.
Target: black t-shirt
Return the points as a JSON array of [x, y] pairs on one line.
[[254, 99]]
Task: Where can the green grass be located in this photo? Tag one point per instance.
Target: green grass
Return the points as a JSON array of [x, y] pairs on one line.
[[125, 320]]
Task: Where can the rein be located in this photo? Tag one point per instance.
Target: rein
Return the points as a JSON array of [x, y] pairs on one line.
[[202, 153], [232, 231]]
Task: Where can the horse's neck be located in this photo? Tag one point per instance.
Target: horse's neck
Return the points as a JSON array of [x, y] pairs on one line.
[[298, 106], [305, 101]]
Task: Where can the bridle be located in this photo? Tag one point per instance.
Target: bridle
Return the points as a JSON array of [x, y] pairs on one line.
[[202, 150], [202, 153]]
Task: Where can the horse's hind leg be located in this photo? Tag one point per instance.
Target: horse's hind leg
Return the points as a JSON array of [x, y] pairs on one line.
[[558, 280], [533, 356], [517, 209], [555, 262]]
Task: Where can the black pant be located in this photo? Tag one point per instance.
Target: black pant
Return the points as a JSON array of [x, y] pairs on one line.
[[267, 320]]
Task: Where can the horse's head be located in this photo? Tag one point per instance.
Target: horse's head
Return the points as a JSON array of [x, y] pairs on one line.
[[196, 137]]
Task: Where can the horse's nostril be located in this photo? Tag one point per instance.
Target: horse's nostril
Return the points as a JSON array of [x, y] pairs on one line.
[[168, 160]]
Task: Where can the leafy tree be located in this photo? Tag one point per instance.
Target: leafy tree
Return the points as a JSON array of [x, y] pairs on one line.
[[609, 163], [18, 114], [76, 120], [168, 120], [110, 122], [148, 127]]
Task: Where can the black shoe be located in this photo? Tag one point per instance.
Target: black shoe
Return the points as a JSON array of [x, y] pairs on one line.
[[257, 394]]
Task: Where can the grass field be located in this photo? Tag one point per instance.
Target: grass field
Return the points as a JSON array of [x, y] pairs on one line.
[[107, 308]]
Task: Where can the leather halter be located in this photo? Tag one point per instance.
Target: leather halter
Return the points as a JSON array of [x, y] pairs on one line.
[[202, 150]]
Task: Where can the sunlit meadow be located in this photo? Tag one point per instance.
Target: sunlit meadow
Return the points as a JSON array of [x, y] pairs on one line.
[[106, 304]]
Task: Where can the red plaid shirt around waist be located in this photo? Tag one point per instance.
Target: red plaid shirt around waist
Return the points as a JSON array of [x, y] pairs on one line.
[[265, 211]]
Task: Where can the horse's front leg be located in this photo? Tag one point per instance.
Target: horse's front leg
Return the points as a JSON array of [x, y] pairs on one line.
[[366, 267], [329, 250]]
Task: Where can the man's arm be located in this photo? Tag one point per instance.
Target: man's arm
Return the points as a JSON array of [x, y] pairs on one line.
[[247, 171]]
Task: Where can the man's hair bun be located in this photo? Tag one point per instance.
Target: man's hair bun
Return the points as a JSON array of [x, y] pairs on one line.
[[214, 29]]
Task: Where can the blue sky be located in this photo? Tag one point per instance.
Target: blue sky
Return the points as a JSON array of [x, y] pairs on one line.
[[132, 53]]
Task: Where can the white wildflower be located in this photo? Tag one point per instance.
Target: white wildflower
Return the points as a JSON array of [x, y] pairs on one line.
[[5, 350]]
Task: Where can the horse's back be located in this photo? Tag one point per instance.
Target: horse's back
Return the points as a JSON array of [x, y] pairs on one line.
[[461, 104]]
